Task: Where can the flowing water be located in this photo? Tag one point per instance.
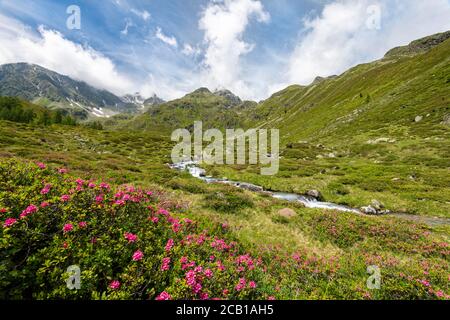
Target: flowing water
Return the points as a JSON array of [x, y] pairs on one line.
[[309, 202]]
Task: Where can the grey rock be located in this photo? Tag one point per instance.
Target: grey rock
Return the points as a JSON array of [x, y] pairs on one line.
[[418, 119], [314, 193], [250, 187], [377, 205], [227, 94], [154, 101], [369, 210], [287, 213]]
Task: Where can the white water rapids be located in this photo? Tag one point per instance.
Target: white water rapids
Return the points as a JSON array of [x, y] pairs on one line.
[[309, 202]]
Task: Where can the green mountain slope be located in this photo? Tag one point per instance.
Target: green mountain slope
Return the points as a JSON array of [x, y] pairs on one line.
[[378, 131], [53, 90], [383, 97], [220, 109]]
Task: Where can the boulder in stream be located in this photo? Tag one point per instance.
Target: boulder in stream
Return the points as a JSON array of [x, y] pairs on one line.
[[377, 205], [369, 210], [314, 193]]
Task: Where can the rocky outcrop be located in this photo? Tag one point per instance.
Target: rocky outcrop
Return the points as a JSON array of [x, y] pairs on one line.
[[227, 94], [419, 46], [154, 101]]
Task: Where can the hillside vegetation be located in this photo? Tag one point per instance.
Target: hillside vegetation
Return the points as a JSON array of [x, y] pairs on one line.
[[378, 131], [103, 197]]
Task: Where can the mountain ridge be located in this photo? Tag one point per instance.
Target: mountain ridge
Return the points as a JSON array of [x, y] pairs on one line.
[[51, 89]]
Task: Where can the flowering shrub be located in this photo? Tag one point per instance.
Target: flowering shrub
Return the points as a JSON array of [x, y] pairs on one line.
[[125, 241], [131, 243]]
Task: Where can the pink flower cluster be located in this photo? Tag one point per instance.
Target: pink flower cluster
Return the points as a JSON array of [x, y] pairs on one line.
[[82, 224], [164, 296], [104, 185], [220, 245], [138, 255], [130, 237], [9, 222], [41, 165], [46, 189], [45, 204], [99, 199], [193, 282], [114, 285], [241, 285], [194, 278], [29, 210], [169, 245], [165, 264], [155, 220], [245, 260], [67, 227]]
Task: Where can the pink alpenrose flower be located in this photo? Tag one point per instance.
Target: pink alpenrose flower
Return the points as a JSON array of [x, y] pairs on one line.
[[82, 224], [67, 227], [164, 296], [131, 237], [9, 222], [114, 285], [41, 165], [138, 255]]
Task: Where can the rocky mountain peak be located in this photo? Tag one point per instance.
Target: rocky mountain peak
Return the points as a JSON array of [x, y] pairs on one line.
[[419, 46], [232, 98], [154, 100]]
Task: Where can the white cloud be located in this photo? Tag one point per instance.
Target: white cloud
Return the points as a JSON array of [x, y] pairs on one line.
[[224, 24], [171, 41], [48, 48], [144, 14], [339, 37], [128, 24], [189, 50]]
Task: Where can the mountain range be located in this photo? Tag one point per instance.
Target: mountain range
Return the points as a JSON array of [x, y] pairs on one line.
[[326, 105], [55, 91]]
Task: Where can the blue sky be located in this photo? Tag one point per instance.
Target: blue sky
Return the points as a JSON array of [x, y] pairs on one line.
[[171, 47]]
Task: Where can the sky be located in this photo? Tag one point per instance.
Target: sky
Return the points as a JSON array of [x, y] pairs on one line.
[[172, 47]]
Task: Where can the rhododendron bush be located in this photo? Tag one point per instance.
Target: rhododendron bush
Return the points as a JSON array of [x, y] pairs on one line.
[[127, 244], [134, 243]]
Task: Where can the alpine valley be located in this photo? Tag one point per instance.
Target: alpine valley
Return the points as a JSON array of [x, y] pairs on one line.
[[86, 179]]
